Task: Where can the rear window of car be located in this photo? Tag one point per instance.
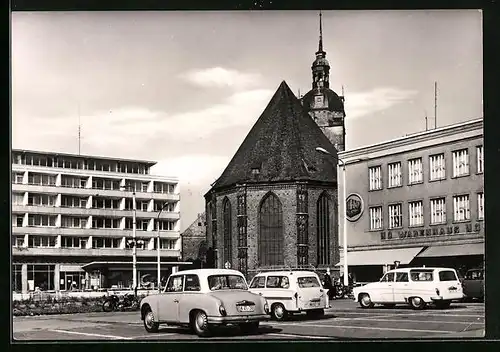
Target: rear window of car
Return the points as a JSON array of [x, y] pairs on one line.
[[308, 281], [226, 282], [447, 275], [421, 275]]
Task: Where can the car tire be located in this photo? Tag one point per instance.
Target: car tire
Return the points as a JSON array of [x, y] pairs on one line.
[[389, 305], [200, 324], [149, 321], [249, 328], [365, 301], [278, 312], [442, 304], [417, 302]]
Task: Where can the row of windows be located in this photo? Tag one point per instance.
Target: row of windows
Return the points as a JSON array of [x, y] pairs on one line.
[[49, 200], [437, 169], [40, 220], [73, 163], [41, 179], [461, 212], [35, 241]]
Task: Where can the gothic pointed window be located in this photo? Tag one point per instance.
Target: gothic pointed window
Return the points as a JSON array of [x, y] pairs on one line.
[[228, 244], [271, 238], [324, 230]]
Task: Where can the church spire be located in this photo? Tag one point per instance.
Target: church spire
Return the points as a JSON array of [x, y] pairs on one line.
[[320, 46]]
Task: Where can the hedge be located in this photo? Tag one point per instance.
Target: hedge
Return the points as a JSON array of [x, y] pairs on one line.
[[63, 305]]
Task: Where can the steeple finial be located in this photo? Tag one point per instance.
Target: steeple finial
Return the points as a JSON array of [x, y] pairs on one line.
[[320, 47]]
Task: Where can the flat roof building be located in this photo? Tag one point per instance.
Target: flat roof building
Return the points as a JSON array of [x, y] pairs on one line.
[[72, 220], [416, 200]]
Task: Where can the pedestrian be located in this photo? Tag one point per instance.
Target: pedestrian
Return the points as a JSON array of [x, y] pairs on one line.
[[327, 283]]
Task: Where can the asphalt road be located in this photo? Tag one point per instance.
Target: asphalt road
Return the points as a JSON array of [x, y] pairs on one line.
[[345, 320]]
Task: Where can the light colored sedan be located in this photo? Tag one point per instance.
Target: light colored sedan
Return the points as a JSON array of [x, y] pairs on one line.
[[204, 298]]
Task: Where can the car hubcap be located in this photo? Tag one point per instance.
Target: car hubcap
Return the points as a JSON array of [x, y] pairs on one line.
[[150, 319], [200, 321], [417, 301], [278, 311], [366, 300]]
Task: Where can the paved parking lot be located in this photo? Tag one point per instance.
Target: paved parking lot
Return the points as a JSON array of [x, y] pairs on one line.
[[345, 320]]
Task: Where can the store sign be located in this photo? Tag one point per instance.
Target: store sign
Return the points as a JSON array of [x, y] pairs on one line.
[[354, 207], [431, 232]]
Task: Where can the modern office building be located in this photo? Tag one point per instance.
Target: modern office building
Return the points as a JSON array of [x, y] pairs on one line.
[[416, 200], [72, 221]]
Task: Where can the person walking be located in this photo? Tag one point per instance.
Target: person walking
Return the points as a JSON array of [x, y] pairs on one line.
[[327, 283]]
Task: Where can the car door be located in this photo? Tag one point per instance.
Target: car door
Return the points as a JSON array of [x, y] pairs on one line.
[[384, 289], [400, 288], [168, 303], [189, 298], [258, 285]]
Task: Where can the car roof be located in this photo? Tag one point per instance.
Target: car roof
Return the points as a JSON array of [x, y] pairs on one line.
[[427, 268], [287, 272], [208, 272]]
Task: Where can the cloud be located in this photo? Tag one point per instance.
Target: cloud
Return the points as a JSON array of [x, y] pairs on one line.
[[133, 130], [379, 99], [195, 170], [221, 77]]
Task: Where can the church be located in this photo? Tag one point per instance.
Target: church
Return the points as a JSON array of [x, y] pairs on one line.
[[275, 204]]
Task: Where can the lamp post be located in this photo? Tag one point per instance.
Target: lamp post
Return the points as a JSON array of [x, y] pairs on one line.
[[134, 242], [346, 271], [158, 246]]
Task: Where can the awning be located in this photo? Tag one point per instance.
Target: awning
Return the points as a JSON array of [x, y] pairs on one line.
[[453, 250], [95, 264], [381, 257]]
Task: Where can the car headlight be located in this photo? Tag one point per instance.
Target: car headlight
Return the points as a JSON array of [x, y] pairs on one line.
[[266, 307], [222, 310]]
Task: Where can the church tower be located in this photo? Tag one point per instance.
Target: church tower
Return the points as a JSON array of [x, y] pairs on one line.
[[322, 103]]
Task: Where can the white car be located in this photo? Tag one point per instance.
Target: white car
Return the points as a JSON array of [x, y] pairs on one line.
[[289, 292], [202, 299], [414, 286]]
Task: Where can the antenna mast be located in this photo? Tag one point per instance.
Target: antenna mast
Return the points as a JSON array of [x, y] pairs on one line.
[[79, 130], [426, 128], [435, 104]]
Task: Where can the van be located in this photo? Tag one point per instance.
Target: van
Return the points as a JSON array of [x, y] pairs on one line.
[[416, 287], [291, 292]]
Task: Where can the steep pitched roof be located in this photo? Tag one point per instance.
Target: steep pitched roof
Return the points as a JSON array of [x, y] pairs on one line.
[[281, 144]]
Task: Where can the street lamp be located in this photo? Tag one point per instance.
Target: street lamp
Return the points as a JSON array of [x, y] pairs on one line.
[[134, 246], [326, 152], [158, 245]]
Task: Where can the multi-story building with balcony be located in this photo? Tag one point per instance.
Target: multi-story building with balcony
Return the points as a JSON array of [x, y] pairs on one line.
[[72, 221], [416, 200]]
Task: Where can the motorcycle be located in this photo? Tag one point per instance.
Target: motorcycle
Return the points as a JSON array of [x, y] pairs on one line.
[[116, 303]]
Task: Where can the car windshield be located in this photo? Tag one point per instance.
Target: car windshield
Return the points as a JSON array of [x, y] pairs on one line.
[[307, 281], [226, 282]]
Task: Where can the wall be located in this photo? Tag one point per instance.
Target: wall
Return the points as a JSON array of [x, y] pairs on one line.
[[358, 182], [193, 237]]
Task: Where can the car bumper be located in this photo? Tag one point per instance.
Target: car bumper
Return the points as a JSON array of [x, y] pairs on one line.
[[238, 319]]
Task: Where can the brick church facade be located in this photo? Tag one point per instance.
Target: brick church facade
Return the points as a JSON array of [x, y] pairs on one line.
[[275, 204]]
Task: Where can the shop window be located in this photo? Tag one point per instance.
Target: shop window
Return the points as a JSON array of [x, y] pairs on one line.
[[41, 276]]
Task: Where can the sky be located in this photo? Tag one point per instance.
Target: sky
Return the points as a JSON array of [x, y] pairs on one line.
[[184, 88]]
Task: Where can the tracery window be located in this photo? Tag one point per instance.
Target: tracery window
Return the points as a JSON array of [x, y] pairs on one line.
[[324, 230], [228, 255], [271, 239]]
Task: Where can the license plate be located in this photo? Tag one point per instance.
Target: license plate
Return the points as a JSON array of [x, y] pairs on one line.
[[314, 304], [246, 308]]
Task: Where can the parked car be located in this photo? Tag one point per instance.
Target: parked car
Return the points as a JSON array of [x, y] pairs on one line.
[[202, 299], [289, 292], [414, 286], [473, 284]]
